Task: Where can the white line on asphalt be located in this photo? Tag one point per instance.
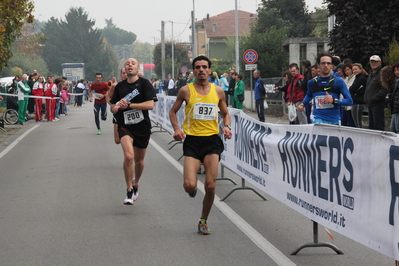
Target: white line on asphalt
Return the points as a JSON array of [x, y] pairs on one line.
[[15, 142], [246, 228]]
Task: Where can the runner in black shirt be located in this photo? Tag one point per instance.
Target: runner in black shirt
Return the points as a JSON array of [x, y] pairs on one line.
[[130, 103]]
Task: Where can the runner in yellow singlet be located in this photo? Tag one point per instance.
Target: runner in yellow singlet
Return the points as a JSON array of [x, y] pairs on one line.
[[202, 143]]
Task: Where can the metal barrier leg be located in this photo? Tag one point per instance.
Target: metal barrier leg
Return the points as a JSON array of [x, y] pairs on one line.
[[225, 178], [243, 187], [161, 129], [316, 242], [176, 142]]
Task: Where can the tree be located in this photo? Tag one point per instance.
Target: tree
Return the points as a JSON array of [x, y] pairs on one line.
[[221, 66], [267, 34], [363, 28], [29, 42], [392, 56], [268, 17], [12, 16], [26, 52], [294, 11], [75, 40], [117, 36], [109, 62], [141, 51], [321, 22], [109, 23], [277, 20], [21, 63], [271, 58], [180, 54], [120, 40]]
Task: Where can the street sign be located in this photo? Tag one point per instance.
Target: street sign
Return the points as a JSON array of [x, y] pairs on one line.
[[250, 56], [251, 67], [183, 69]]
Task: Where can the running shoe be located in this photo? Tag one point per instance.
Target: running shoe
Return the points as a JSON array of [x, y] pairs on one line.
[[193, 193], [135, 192], [129, 197], [203, 227], [99, 132]]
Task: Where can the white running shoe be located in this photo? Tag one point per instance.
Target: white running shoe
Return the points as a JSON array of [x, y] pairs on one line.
[[129, 197], [135, 192]]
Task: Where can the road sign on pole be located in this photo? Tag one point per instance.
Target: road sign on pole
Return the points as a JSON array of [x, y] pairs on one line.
[[250, 56], [183, 69], [251, 66]]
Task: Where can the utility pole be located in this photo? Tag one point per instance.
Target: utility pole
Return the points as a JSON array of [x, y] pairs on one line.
[[163, 49], [173, 54], [237, 46], [194, 52]]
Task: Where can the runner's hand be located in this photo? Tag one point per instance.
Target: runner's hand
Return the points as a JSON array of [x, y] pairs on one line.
[[179, 135], [227, 133]]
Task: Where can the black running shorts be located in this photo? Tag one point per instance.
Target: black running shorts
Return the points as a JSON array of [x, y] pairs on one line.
[[139, 140], [198, 146]]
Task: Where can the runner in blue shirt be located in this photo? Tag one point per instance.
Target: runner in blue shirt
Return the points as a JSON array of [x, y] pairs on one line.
[[324, 91]]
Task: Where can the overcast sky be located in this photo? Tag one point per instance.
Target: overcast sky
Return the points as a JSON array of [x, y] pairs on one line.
[[143, 17]]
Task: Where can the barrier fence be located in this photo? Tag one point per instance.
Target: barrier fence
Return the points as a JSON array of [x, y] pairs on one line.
[[33, 96], [345, 179]]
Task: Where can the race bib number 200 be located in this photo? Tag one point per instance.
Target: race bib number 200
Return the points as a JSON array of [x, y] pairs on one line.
[[132, 117], [205, 111]]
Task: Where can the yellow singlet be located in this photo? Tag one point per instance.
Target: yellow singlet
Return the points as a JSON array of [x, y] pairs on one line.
[[201, 113]]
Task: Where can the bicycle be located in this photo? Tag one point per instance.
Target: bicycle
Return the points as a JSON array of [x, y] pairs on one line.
[[10, 117]]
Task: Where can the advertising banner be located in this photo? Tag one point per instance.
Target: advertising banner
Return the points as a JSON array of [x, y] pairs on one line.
[[346, 179]]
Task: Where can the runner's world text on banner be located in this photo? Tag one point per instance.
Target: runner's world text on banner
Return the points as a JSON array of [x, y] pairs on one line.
[[345, 179]]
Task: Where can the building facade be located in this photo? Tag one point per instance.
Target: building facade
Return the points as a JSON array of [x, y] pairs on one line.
[[212, 32], [305, 48]]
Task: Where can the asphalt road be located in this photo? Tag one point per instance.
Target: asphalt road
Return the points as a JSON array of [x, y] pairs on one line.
[[61, 194]]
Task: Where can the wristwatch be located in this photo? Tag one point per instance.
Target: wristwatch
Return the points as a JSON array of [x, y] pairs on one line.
[[335, 101], [228, 126]]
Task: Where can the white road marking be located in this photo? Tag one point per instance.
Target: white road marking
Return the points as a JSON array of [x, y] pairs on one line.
[[246, 228], [15, 142]]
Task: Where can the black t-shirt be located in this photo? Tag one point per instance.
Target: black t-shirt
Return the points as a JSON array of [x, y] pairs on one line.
[[143, 91]]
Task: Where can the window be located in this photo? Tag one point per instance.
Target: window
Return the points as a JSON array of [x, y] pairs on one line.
[[214, 27], [302, 52], [320, 47]]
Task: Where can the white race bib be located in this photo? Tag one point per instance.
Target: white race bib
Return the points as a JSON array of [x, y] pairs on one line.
[[321, 103], [205, 111], [133, 116], [96, 95]]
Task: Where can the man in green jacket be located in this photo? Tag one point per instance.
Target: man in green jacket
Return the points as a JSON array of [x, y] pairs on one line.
[[23, 89]]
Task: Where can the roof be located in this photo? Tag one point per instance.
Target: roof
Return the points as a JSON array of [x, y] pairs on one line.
[[223, 25]]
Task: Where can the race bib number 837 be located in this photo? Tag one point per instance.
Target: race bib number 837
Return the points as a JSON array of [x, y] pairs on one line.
[[205, 111]]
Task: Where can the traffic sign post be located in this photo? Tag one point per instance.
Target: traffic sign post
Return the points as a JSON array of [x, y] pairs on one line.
[[183, 69], [250, 57], [251, 66]]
